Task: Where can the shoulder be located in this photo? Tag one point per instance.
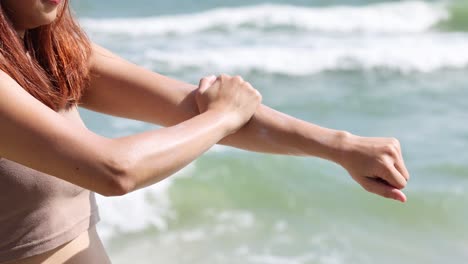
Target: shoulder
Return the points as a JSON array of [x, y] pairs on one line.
[[9, 89], [4, 66], [5, 78], [101, 56]]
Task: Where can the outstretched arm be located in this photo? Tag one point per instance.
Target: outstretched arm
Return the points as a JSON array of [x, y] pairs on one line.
[[36, 136], [123, 89]]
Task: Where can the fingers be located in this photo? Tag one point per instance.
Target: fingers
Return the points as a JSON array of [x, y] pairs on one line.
[[383, 162], [401, 167], [393, 176], [238, 79], [381, 188], [206, 82], [399, 162], [397, 174]]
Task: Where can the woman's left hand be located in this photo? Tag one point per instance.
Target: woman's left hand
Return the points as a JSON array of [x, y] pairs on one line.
[[376, 164]]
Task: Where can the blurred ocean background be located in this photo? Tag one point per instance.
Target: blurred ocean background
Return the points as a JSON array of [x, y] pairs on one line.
[[371, 67]]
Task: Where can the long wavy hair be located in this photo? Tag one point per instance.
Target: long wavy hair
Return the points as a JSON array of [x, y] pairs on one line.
[[51, 62]]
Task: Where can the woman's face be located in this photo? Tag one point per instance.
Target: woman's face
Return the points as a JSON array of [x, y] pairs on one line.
[[29, 14]]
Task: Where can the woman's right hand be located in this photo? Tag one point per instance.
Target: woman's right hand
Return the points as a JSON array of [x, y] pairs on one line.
[[232, 96]]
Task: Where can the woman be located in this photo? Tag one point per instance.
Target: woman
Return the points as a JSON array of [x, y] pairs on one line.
[[51, 165]]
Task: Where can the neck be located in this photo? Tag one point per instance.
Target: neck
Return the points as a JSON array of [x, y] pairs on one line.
[[20, 33], [20, 29]]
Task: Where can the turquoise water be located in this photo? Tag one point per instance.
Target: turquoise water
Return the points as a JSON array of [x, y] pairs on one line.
[[374, 68]]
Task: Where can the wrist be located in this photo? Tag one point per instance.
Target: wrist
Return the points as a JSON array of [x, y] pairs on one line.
[[341, 146], [225, 120], [323, 142]]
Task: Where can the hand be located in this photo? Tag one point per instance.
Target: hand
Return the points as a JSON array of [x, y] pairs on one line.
[[232, 96], [376, 164]]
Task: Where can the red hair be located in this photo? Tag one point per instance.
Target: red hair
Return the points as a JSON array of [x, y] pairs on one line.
[[51, 63]]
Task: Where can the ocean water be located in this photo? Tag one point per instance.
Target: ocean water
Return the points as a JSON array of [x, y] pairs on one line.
[[374, 68]]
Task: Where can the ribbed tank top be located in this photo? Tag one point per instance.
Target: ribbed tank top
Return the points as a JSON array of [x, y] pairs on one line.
[[39, 212]]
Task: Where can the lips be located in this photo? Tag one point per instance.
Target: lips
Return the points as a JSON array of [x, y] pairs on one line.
[[55, 2]]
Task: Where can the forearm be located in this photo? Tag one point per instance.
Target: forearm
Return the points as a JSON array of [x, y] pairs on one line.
[[271, 131], [122, 89], [150, 157]]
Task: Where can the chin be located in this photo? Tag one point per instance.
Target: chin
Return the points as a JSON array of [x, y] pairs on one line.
[[49, 18], [44, 19]]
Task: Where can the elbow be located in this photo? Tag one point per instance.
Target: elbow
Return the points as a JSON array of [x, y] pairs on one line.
[[118, 186], [118, 179]]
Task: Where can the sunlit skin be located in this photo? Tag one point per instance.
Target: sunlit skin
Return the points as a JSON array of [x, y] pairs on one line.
[[223, 109]]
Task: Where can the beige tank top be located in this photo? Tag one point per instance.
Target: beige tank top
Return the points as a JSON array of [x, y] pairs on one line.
[[39, 212]]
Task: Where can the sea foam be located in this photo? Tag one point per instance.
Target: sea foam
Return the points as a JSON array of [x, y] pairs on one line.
[[137, 211], [402, 53], [406, 16], [291, 40]]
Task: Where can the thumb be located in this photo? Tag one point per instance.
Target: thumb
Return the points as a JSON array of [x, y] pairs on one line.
[[383, 189], [206, 82]]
